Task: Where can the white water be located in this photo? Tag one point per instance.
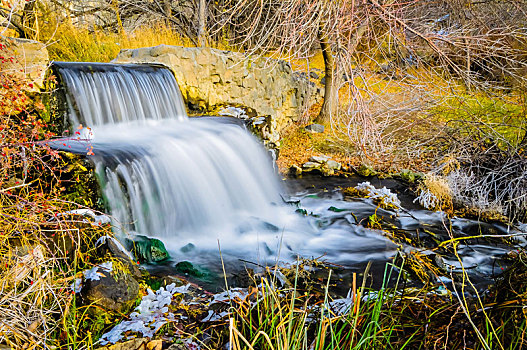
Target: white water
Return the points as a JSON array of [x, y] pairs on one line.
[[107, 94]]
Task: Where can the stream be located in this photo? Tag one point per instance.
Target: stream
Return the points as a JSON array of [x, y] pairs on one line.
[[207, 189]]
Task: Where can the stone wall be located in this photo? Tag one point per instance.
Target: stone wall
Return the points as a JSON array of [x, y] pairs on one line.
[[210, 78], [25, 59]]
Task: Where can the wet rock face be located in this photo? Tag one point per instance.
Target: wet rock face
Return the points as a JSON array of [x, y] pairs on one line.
[[209, 77], [24, 58]]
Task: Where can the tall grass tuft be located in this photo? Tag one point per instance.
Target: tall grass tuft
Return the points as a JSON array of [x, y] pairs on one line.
[[392, 317]]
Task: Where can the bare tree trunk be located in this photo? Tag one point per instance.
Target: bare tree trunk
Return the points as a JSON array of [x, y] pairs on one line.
[[202, 19], [329, 65]]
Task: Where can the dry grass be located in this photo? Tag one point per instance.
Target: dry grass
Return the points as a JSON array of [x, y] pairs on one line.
[[67, 42], [435, 193]]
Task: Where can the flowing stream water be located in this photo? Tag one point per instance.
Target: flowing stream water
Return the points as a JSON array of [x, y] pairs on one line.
[[205, 184]]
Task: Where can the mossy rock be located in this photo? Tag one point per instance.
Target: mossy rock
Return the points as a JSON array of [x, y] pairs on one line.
[[82, 187], [111, 293], [145, 249], [410, 176], [366, 171], [188, 269]]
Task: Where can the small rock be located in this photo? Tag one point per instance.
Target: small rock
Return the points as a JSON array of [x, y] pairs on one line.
[[188, 269], [111, 292], [319, 159], [136, 344], [333, 165], [295, 170], [310, 166], [154, 345], [366, 170], [188, 248], [176, 346], [315, 128], [323, 81], [109, 245], [313, 75], [327, 171]]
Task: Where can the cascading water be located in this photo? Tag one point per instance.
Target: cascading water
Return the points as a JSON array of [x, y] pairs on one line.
[[162, 175], [107, 94]]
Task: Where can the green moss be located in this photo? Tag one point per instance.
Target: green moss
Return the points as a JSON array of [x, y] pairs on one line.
[[366, 170], [188, 269], [81, 186], [410, 176], [145, 249]]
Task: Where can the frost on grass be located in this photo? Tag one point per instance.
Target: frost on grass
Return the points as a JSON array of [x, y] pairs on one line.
[[472, 192], [384, 196], [435, 193], [151, 314], [87, 216]]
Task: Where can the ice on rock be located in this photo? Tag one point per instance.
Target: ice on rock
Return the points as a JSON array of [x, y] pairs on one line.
[[233, 112], [77, 285], [103, 240], [382, 194], [151, 314], [96, 220], [213, 316], [94, 274], [229, 295]]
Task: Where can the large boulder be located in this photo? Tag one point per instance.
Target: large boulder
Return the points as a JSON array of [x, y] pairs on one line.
[[209, 78], [24, 58]]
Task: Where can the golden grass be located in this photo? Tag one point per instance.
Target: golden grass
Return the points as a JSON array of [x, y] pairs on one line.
[[69, 43], [435, 193]]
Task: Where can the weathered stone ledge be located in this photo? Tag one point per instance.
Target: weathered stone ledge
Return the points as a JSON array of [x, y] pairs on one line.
[[209, 78]]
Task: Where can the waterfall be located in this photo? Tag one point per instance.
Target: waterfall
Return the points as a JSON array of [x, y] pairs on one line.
[[106, 94], [184, 179], [161, 174], [195, 181]]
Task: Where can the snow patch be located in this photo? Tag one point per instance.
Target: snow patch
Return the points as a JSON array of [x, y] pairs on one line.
[[233, 112]]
